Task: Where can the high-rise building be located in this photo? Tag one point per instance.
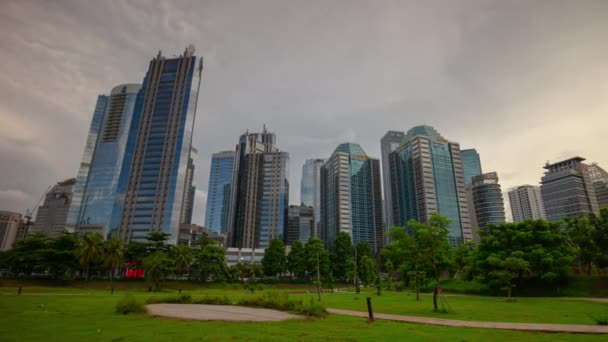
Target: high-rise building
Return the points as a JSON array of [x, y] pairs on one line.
[[191, 176], [351, 196], [260, 192], [9, 226], [389, 143], [218, 191], [300, 223], [51, 218], [526, 203], [102, 160], [310, 190], [471, 164], [599, 178], [487, 201], [427, 177], [154, 186], [567, 189]]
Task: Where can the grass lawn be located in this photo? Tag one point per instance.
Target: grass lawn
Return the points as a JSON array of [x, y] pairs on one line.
[[91, 318], [473, 308]]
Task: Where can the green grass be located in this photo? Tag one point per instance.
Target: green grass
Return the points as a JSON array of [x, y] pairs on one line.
[[92, 318]]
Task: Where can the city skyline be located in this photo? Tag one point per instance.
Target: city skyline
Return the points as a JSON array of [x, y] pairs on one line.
[[525, 71]]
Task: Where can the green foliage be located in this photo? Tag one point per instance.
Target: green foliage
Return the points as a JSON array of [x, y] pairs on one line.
[[128, 304], [157, 242], [90, 251], [281, 301], [296, 260], [157, 267], [182, 258], [113, 255], [341, 254], [600, 319], [213, 300], [274, 262], [179, 299], [588, 236], [314, 252], [210, 262], [367, 271]]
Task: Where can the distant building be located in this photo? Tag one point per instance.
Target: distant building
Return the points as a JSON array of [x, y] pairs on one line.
[[260, 192], [310, 190], [218, 191], [389, 143], [190, 233], [471, 164], [567, 189], [51, 218], [599, 178], [190, 191], [351, 199], [244, 255], [300, 223], [427, 177], [487, 200], [9, 226], [526, 203]]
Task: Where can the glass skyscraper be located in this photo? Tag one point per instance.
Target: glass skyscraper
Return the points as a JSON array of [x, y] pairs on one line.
[[154, 185], [389, 143], [427, 176], [310, 189], [218, 192], [102, 160], [351, 199], [487, 201], [471, 164]]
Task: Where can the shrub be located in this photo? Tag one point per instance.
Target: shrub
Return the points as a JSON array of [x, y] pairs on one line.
[[600, 319], [213, 300], [128, 304], [180, 299], [281, 301]]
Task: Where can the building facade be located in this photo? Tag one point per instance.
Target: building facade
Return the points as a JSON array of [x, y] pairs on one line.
[[487, 201], [154, 186], [526, 203], [427, 177], [567, 189], [10, 223], [310, 190], [599, 178], [351, 197], [471, 164], [190, 233], [389, 143], [218, 191], [52, 215], [300, 223], [260, 192], [102, 160]]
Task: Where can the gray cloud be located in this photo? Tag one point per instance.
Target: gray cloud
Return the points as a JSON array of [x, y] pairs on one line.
[[523, 82]]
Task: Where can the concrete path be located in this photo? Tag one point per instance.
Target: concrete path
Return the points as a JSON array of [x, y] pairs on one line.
[[202, 312], [566, 328]]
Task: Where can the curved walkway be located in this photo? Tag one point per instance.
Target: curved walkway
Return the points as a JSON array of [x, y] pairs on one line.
[[202, 312], [562, 328]]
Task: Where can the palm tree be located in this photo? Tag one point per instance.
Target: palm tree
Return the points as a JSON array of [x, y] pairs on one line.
[[113, 256], [90, 250], [182, 255]]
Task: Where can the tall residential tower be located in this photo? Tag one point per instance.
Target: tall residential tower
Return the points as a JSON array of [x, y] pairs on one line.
[[526, 203], [218, 191], [389, 143]]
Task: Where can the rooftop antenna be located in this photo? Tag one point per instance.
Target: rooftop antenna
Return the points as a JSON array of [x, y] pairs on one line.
[[160, 54], [264, 130]]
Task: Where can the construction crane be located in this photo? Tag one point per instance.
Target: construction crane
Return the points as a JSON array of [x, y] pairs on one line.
[[29, 213]]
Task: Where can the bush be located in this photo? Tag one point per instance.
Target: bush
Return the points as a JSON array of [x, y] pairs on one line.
[[281, 301], [213, 300], [600, 319], [180, 299], [128, 304]]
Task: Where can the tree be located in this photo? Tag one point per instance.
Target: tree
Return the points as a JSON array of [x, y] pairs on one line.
[[90, 251], [157, 241], [390, 268], [362, 249], [274, 261], [113, 256], [182, 258], [314, 249], [28, 255], [296, 260], [210, 261], [465, 257], [157, 266], [59, 255], [505, 271], [341, 252], [367, 270]]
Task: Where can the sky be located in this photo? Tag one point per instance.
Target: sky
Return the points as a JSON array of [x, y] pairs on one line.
[[523, 82]]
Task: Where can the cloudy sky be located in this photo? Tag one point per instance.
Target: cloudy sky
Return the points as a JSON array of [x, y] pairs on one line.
[[522, 81]]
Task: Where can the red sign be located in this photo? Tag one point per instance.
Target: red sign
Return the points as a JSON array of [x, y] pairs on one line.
[[134, 270]]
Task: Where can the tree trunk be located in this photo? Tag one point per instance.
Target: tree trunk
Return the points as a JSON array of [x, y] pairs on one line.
[[435, 293], [509, 293]]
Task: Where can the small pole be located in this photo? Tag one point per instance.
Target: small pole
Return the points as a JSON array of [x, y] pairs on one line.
[[318, 277], [19, 291], [112, 291], [180, 291], [370, 312]]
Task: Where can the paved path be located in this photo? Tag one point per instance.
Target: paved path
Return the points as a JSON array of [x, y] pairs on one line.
[[202, 312], [568, 328]]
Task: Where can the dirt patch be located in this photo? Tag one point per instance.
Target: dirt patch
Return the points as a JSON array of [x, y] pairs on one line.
[[232, 313]]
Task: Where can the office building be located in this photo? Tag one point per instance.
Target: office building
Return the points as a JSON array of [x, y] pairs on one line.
[[351, 196], [9, 226], [51, 218], [191, 176], [526, 203], [300, 223], [190, 233], [154, 186], [427, 176], [102, 160], [471, 164], [310, 190], [389, 143], [218, 191], [487, 201], [599, 178], [260, 192], [567, 189]]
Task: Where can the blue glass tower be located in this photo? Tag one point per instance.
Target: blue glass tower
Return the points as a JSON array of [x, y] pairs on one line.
[[471, 164], [97, 180], [427, 177], [154, 184], [218, 193], [310, 190], [351, 198]]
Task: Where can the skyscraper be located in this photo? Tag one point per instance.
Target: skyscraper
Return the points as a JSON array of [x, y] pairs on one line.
[[426, 177], [260, 192], [351, 196], [471, 164], [526, 203], [487, 201], [599, 178], [154, 186], [300, 223], [51, 218], [310, 189], [102, 160], [218, 191], [9, 226], [567, 190], [191, 176], [389, 143]]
